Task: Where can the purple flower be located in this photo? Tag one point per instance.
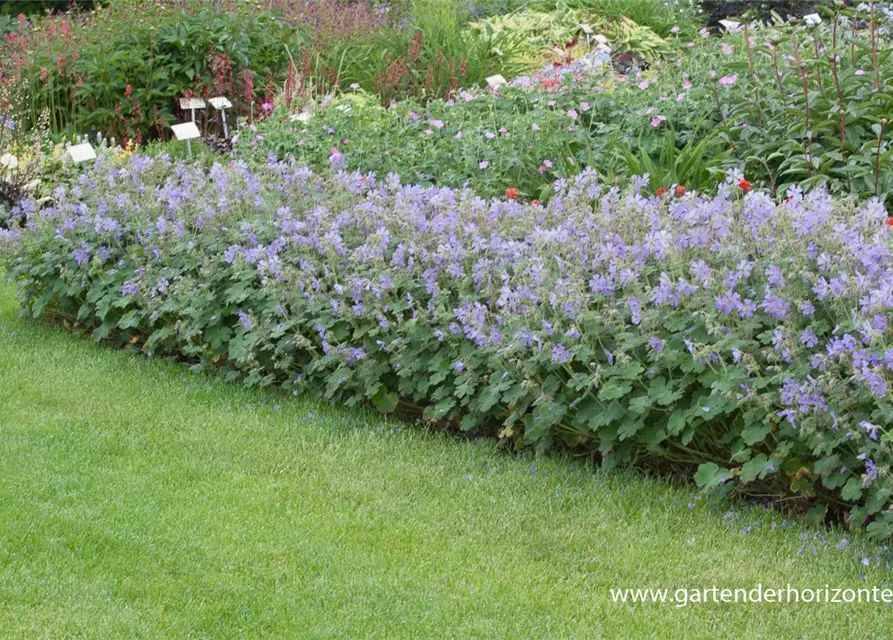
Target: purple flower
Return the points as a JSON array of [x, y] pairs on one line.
[[560, 353]]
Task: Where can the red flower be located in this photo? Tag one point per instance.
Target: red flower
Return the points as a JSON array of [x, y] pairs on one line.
[[890, 221], [128, 91], [661, 192], [536, 201], [680, 191], [511, 193], [744, 185]]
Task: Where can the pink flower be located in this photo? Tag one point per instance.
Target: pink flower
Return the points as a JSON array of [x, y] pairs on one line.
[[726, 49], [656, 120], [414, 116], [436, 123], [643, 85], [689, 44], [584, 107], [459, 135], [484, 164], [649, 111], [686, 84], [662, 99], [729, 80], [572, 114], [535, 127], [860, 72], [704, 33], [427, 132], [547, 164], [680, 97], [675, 29], [489, 135]]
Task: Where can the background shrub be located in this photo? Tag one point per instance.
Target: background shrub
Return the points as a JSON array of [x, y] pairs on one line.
[[16, 7]]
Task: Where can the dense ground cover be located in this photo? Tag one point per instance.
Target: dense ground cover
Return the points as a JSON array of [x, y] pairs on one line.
[[139, 500], [678, 328]]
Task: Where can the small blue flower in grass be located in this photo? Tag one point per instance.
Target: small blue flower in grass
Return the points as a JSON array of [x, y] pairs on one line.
[[245, 320], [843, 543]]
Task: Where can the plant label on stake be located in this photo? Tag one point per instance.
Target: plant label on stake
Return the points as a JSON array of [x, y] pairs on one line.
[[8, 161], [222, 104], [496, 81], [186, 131], [82, 152], [192, 104]]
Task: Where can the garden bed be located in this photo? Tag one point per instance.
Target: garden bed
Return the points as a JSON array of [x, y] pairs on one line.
[[676, 327]]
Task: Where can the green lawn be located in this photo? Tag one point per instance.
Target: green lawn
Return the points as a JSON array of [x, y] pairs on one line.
[[139, 500]]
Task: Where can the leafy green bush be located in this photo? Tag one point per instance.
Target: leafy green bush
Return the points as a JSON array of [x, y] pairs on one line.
[[747, 337], [120, 70], [16, 7]]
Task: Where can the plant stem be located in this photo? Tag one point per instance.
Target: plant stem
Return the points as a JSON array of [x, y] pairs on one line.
[[803, 79], [877, 157]]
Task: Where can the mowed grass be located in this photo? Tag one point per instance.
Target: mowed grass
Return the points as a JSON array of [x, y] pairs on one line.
[[138, 500]]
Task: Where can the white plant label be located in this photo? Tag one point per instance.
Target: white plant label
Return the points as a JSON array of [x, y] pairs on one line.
[[192, 103], [496, 81], [730, 25], [185, 131], [220, 103], [82, 152], [9, 161]]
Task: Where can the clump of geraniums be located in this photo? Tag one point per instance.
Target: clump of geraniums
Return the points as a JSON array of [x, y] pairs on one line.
[[745, 336]]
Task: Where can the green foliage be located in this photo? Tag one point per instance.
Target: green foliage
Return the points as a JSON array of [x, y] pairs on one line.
[[822, 119], [121, 70], [517, 138], [15, 7], [489, 143], [657, 15]]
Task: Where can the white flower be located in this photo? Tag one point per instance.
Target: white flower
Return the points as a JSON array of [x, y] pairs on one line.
[[812, 19]]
